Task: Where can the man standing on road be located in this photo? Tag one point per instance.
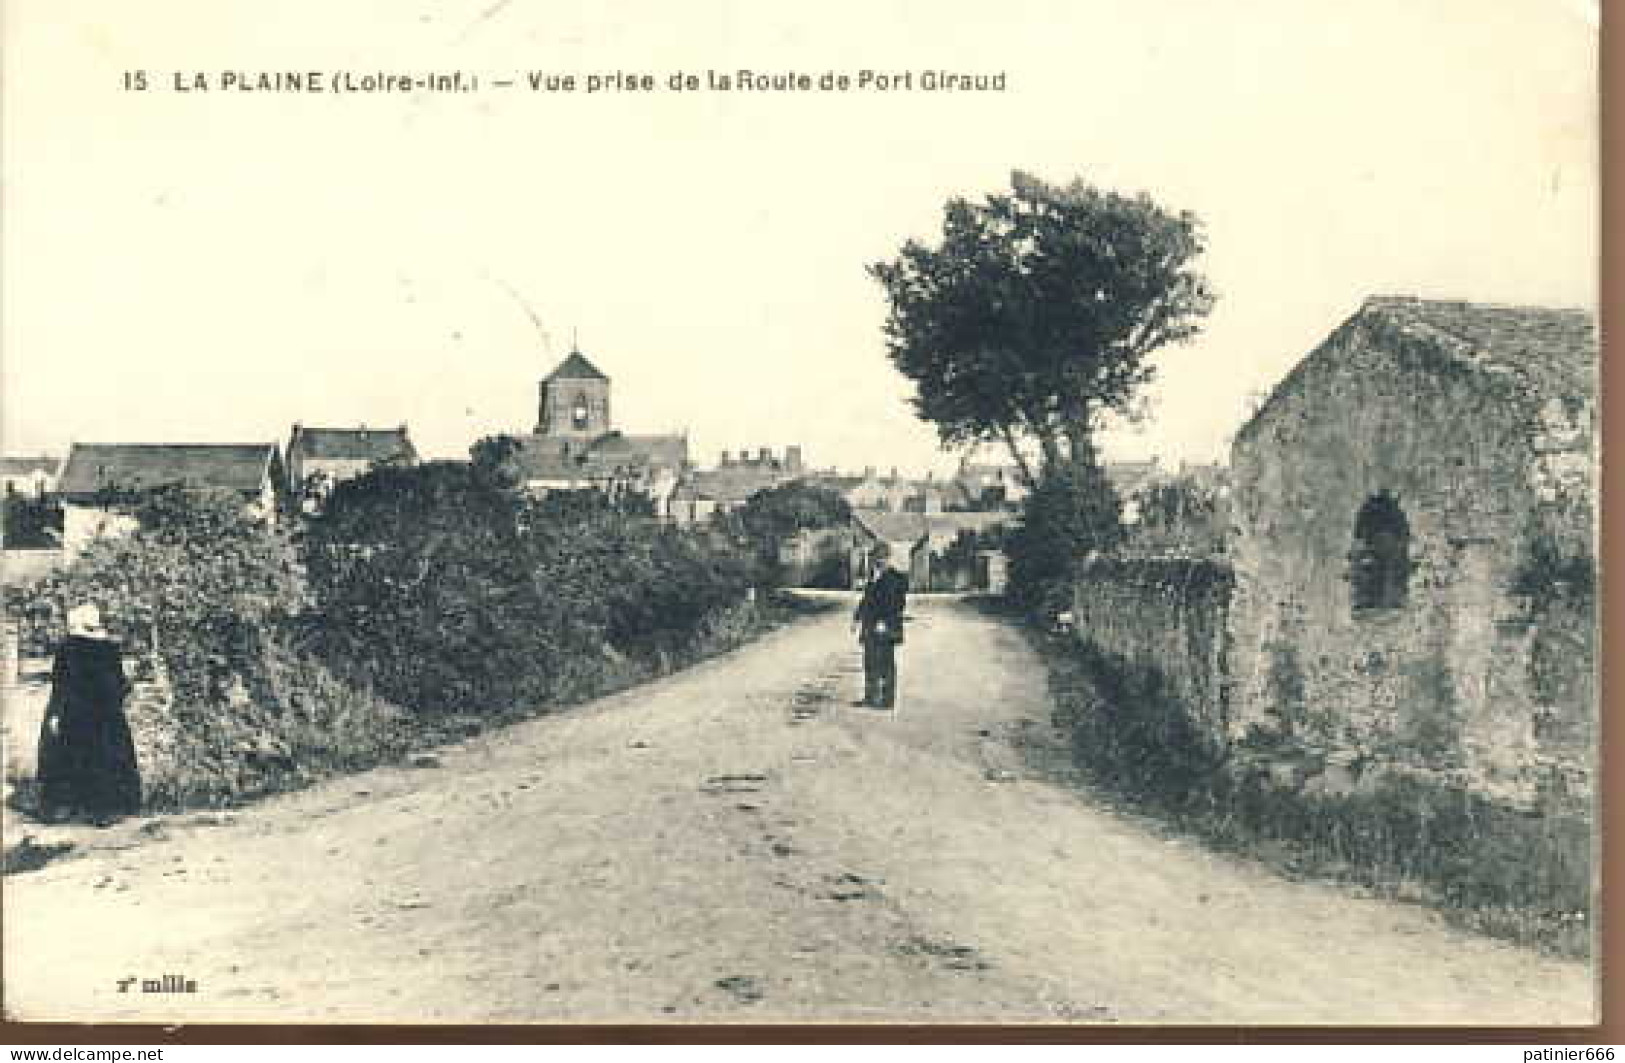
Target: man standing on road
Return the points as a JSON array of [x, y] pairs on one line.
[[879, 621]]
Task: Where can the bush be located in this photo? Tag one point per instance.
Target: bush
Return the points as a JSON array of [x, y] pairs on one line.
[[196, 584], [452, 592], [304, 723], [31, 523], [1179, 516], [1072, 511], [436, 588], [207, 600], [775, 515]]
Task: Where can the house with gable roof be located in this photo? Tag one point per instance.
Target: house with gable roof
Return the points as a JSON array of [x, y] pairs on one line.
[[919, 544], [98, 479], [319, 459]]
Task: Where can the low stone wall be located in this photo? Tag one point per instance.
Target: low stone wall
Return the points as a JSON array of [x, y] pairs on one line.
[[1493, 697], [1159, 625]]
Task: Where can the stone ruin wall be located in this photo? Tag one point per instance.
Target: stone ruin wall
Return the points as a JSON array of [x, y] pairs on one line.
[[1475, 681]]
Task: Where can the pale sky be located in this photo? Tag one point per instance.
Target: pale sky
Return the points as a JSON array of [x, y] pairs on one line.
[[215, 266]]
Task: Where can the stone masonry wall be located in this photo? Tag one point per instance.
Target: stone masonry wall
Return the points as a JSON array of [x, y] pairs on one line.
[[1161, 623], [1483, 678]]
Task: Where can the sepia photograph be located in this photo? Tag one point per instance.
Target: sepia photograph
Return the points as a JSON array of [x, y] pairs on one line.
[[541, 512]]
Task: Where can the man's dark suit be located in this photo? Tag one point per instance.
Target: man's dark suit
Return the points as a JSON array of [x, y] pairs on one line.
[[880, 628]]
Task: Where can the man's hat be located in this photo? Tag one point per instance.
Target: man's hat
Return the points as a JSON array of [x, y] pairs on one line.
[[881, 551]]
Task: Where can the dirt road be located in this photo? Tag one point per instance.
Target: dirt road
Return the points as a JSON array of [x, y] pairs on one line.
[[738, 843]]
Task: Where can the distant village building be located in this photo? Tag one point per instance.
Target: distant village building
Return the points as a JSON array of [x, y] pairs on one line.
[[1128, 477], [576, 446], [989, 486], [33, 477], [319, 459], [920, 543], [1414, 548], [704, 492], [885, 492], [838, 483], [765, 462], [892, 493], [930, 496], [98, 478]]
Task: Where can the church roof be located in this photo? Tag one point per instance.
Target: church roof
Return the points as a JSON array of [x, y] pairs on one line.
[[542, 457], [576, 367], [667, 451], [92, 467]]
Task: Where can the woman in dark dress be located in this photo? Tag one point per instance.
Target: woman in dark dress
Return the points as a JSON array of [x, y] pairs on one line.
[[86, 757]]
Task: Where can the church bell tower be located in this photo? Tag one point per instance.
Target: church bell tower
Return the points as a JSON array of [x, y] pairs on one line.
[[574, 400]]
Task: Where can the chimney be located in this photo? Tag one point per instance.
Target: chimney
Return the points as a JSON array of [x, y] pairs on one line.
[[868, 472], [725, 459], [765, 456], [792, 459]]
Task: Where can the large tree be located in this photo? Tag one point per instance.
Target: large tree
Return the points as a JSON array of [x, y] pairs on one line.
[[1037, 312]]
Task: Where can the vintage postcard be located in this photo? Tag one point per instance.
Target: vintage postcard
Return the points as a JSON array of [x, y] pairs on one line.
[[538, 511]]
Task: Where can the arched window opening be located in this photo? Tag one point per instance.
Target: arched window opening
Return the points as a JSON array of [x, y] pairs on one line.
[[1380, 563]]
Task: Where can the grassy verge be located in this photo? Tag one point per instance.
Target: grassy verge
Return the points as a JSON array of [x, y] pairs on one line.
[[1510, 874]]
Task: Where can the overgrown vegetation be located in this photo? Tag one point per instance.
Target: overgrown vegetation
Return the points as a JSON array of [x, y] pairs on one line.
[[207, 600], [1179, 516], [31, 523], [1525, 876], [450, 593], [776, 515], [422, 602], [1072, 512]]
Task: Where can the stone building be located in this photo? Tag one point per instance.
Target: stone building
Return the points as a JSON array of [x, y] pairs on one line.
[[319, 459], [894, 493], [703, 493], [989, 486], [1413, 552], [576, 445], [98, 477], [922, 544], [765, 462]]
